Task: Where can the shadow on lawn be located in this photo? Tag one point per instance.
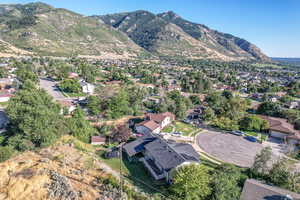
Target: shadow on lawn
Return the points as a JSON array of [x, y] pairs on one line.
[[140, 177]]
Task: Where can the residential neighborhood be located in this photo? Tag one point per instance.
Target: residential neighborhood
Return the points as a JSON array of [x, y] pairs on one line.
[[149, 100], [174, 121]]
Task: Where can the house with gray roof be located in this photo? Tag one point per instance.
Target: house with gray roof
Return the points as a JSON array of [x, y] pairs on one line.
[[256, 190], [161, 157]]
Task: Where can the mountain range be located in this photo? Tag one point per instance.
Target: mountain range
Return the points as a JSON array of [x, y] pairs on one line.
[[38, 28]]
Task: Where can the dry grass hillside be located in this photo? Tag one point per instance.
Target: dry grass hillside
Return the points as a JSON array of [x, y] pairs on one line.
[[67, 170]]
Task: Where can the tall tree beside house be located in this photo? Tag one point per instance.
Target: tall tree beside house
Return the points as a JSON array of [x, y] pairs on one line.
[[34, 118], [261, 161], [225, 183], [80, 127], [191, 182], [253, 123], [270, 109]]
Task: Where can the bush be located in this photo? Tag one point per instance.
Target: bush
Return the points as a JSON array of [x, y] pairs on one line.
[[5, 153]]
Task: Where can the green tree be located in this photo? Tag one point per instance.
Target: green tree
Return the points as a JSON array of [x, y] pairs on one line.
[[279, 174], [94, 105], [70, 85], [225, 183], [80, 127], [35, 117], [260, 165], [191, 182], [118, 105], [24, 74], [253, 123], [195, 99], [208, 114], [269, 108]]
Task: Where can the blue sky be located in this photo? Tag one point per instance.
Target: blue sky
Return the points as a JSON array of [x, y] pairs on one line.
[[273, 25]]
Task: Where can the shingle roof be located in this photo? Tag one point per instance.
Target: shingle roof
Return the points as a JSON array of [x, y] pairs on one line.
[[280, 124], [256, 190], [98, 139], [170, 155], [151, 125], [158, 118], [137, 146]]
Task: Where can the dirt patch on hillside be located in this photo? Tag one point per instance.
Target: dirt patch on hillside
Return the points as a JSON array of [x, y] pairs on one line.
[[59, 172]]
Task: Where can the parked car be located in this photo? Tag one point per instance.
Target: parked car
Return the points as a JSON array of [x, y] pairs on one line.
[[251, 138], [238, 133]]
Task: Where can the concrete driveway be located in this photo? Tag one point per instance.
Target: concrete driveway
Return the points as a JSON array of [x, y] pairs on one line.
[[228, 148]]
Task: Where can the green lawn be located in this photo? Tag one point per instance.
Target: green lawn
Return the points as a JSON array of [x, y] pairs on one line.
[[67, 94], [168, 129], [136, 174], [260, 136], [185, 128]]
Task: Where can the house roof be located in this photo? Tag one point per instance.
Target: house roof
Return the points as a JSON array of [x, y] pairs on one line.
[[66, 103], [170, 155], [98, 139], [137, 146], [256, 190], [158, 118], [5, 95], [280, 125], [151, 125]]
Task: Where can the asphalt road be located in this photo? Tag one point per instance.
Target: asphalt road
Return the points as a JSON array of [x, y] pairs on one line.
[[50, 87], [229, 148]]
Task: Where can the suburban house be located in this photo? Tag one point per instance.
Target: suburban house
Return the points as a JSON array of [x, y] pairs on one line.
[[161, 157], [98, 140], [87, 88], [256, 190], [281, 129], [154, 123]]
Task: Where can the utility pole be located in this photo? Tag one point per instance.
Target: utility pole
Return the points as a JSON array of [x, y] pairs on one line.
[[121, 175]]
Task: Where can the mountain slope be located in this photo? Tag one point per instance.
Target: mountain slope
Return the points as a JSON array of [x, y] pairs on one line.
[[170, 35], [42, 29]]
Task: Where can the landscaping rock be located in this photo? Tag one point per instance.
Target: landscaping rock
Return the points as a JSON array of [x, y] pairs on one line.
[[61, 188]]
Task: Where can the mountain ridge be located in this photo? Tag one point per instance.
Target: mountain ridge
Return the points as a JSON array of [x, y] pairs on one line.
[[41, 29], [213, 44]]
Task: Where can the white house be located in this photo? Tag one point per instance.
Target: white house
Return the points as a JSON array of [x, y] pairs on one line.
[[154, 123], [87, 88]]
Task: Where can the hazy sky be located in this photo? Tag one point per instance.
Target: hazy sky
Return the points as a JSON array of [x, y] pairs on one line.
[[272, 25]]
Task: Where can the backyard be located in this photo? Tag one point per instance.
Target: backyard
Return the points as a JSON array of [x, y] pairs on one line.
[[184, 128], [135, 173]]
